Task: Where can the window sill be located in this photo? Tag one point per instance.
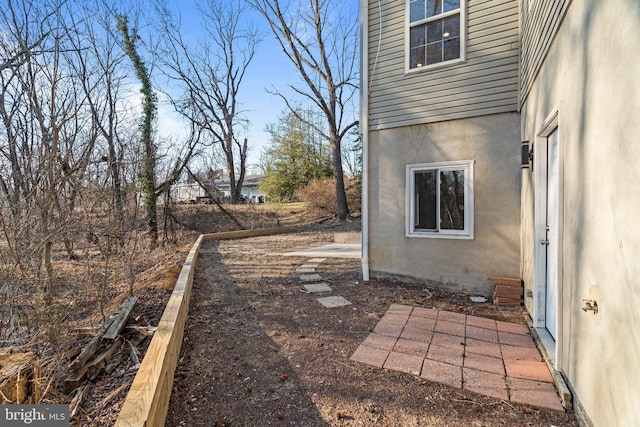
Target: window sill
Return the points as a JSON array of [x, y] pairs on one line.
[[412, 71], [427, 235]]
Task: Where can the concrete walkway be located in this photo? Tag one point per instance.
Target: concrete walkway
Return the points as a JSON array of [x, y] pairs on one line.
[[329, 250], [489, 357]]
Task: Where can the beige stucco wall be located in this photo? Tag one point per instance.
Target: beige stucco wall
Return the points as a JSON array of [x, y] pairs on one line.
[[592, 75], [493, 143]]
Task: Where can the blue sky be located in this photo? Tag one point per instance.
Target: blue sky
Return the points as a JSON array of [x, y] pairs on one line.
[[270, 68]]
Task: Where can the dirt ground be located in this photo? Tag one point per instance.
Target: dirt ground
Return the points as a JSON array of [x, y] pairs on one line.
[[258, 351]]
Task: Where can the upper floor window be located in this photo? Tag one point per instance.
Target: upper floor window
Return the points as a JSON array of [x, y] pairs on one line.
[[436, 32]]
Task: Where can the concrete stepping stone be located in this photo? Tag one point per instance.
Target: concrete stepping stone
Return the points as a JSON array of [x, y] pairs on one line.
[[331, 302], [311, 264], [316, 260], [305, 270], [318, 287], [310, 278]]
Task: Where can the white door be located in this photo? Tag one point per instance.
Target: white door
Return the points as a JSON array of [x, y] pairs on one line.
[[551, 288]]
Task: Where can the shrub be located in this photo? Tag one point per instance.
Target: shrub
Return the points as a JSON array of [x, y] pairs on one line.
[[320, 196]]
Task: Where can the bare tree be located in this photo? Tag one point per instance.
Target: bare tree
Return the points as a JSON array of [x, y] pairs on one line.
[[151, 188], [46, 145], [147, 176], [352, 154], [67, 139], [209, 74], [322, 44], [21, 40], [101, 73]]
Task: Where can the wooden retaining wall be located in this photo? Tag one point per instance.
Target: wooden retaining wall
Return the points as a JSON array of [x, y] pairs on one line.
[[147, 402]]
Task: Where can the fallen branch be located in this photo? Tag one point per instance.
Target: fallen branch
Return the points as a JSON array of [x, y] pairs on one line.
[[37, 381], [145, 330], [465, 400], [133, 354], [78, 400], [342, 363], [109, 397]]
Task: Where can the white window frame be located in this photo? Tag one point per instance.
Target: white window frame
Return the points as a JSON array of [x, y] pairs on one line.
[[462, 11], [410, 209]]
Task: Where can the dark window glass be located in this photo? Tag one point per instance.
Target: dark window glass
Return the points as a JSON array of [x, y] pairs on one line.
[[450, 5], [451, 49], [434, 7], [416, 10], [452, 200], [434, 31], [425, 194], [417, 57], [451, 27], [417, 36], [434, 53]]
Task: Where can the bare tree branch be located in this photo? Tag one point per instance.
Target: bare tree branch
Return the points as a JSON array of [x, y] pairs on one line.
[[323, 46], [210, 75]]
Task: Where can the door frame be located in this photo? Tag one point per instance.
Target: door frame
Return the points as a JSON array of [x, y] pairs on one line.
[[549, 125]]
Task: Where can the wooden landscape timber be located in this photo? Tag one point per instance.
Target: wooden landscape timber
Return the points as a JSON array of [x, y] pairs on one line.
[[90, 349], [243, 234], [100, 362], [121, 319], [96, 355], [147, 402]]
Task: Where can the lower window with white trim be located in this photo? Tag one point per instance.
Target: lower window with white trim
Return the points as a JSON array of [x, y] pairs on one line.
[[440, 200]]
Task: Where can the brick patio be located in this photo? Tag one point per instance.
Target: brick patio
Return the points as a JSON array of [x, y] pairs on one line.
[[494, 358]]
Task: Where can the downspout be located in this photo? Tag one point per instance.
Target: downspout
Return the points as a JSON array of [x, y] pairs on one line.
[[364, 129]]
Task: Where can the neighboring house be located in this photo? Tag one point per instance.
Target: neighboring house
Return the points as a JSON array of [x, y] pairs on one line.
[[250, 188], [456, 95], [190, 193]]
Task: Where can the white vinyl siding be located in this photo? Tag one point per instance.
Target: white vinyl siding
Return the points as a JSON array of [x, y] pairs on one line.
[[540, 23], [485, 83]]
